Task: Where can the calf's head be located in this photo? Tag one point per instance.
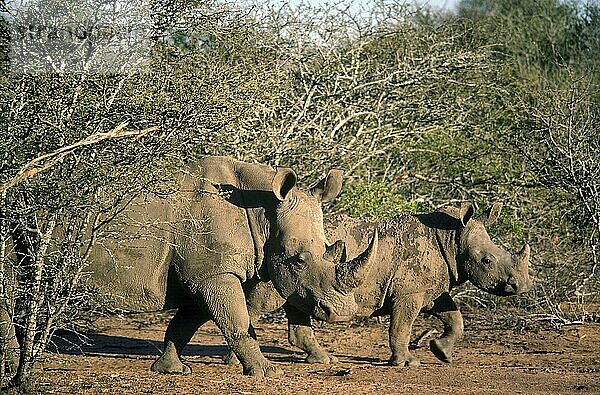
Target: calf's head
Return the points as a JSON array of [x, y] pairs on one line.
[[314, 277], [486, 265]]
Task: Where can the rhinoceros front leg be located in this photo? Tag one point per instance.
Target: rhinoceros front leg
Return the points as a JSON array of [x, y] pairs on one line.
[[405, 309], [230, 358], [182, 327], [301, 335], [224, 299], [445, 309]]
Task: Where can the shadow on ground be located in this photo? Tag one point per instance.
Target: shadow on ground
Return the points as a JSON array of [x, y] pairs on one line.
[[108, 345]]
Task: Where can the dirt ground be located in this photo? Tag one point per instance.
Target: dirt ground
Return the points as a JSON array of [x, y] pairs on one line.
[[494, 358]]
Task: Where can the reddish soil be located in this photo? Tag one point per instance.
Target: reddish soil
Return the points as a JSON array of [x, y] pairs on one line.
[[494, 358]]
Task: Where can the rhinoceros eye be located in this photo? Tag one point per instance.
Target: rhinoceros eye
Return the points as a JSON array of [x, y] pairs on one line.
[[487, 260], [304, 256]]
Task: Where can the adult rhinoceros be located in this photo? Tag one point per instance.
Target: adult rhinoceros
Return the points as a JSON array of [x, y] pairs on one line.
[[420, 258], [229, 225]]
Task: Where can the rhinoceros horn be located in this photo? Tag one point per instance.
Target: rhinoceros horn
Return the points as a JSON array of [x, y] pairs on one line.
[[335, 252], [352, 273], [523, 256]]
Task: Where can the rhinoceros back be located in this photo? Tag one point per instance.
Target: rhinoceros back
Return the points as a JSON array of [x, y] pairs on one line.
[[200, 231]]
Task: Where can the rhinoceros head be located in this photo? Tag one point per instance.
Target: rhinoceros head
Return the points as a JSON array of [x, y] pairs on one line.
[[486, 265], [313, 276]]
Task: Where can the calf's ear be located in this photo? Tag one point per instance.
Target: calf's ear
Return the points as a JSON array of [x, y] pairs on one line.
[[283, 182], [491, 214], [466, 212], [329, 187]]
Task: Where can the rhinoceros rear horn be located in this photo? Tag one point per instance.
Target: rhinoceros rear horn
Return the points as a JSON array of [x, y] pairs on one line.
[[351, 274], [523, 255], [335, 252]]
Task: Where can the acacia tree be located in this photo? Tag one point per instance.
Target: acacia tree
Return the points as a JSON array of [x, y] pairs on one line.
[[550, 50], [560, 118]]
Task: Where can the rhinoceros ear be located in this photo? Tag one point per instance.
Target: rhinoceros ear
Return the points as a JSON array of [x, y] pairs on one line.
[[466, 212], [491, 214], [283, 182], [329, 187]]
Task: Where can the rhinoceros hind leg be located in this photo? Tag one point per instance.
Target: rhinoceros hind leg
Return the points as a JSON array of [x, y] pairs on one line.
[[325, 358], [442, 348], [182, 327], [447, 311]]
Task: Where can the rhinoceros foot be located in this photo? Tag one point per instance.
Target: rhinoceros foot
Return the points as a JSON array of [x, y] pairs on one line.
[[263, 371], [442, 349], [408, 360], [166, 366], [321, 357]]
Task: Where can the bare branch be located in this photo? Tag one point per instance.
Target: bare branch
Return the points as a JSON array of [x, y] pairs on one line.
[[46, 161]]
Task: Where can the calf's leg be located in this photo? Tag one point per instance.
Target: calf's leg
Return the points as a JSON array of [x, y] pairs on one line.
[[301, 335], [445, 309], [405, 309]]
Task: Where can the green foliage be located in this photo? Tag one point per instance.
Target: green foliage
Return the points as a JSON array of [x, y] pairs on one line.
[[377, 201], [536, 33], [510, 223]]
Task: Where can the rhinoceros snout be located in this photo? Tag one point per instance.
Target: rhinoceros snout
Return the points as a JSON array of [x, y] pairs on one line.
[[518, 278], [512, 286], [325, 312]]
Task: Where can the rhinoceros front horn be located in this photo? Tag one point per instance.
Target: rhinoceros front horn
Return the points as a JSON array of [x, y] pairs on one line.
[[351, 274]]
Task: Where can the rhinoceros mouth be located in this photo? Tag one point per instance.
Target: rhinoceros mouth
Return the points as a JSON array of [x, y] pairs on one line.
[[323, 312], [504, 288]]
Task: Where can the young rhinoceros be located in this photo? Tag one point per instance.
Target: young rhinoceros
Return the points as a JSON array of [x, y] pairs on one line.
[[420, 258]]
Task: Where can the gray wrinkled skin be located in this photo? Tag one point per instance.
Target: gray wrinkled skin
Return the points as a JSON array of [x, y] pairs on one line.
[[230, 226], [420, 258]]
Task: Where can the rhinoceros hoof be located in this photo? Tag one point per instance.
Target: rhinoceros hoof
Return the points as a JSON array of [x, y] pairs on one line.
[[264, 371], [442, 349], [407, 361], [166, 367], [324, 358], [231, 359]]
